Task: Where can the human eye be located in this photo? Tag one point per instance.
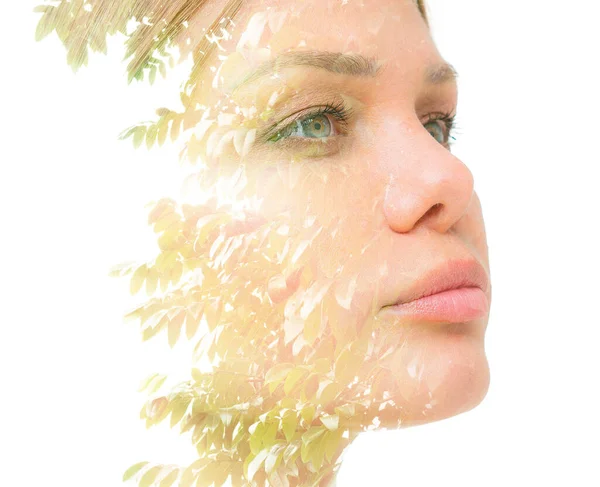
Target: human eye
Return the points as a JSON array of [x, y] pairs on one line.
[[442, 127], [320, 125]]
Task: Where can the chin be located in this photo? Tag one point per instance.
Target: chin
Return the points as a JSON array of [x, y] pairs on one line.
[[449, 377]]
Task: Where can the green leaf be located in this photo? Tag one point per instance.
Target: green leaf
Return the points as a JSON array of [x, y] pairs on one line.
[[175, 127], [347, 410], [277, 374], [169, 479], [156, 384], [151, 133], [175, 327], [43, 8], [138, 278], [289, 423], [331, 422], [146, 382], [331, 443], [149, 477], [293, 378], [152, 76], [139, 135], [310, 387], [163, 130], [45, 25], [328, 391], [179, 409], [131, 471], [308, 413]]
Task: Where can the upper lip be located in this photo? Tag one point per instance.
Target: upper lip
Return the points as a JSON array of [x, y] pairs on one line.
[[452, 274]]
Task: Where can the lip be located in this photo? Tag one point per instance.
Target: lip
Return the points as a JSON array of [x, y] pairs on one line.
[[454, 292]]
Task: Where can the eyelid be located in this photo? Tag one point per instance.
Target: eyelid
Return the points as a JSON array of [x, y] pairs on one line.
[[336, 110]]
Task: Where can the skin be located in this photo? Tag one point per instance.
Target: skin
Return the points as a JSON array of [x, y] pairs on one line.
[[392, 200]]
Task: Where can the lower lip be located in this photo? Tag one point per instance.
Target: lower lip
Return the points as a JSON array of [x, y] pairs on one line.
[[454, 306]]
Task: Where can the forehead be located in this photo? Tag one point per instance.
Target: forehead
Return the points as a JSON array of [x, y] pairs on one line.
[[369, 27]]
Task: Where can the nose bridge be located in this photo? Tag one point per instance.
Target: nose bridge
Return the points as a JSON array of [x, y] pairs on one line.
[[425, 183]]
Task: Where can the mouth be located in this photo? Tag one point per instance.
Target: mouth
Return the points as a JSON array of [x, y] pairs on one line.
[[451, 306], [453, 292]]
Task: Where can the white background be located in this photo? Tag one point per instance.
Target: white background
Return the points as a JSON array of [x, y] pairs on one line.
[[72, 205]]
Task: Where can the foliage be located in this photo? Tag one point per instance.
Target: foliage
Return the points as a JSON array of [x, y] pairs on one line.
[[293, 383]]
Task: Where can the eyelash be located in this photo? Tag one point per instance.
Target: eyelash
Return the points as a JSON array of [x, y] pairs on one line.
[[342, 114], [338, 110]]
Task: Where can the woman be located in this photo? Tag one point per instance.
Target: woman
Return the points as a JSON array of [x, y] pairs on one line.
[[329, 126], [349, 107]]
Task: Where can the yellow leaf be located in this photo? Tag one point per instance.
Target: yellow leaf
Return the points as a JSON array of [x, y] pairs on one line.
[[310, 387], [151, 281], [207, 224], [138, 278], [347, 366], [327, 392], [166, 221], [156, 384], [274, 458], [312, 325], [168, 480], [122, 269], [164, 282], [289, 423], [146, 382], [212, 313], [149, 477], [276, 374], [179, 409], [131, 471], [308, 413], [192, 322], [175, 325], [293, 378], [176, 272], [332, 442], [347, 410], [331, 422]]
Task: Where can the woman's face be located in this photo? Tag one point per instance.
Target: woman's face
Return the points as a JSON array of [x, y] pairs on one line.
[[350, 154]]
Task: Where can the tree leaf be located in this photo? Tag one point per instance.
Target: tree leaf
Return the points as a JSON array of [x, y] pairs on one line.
[[152, 76], [163, 130], [131, 471], [149, 477], [332, 442], [146, 382], [151, 281], [156, 384], [175, 127], [289, 423], [331, 422], [293, 377], [139, 135], [274, 458], [45, 25], [179, 409], [175, 327], [138, 278], [169, 479], [308, 413], [151, 133], [256, 463]]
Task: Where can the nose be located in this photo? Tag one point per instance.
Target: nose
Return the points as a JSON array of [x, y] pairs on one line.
[[429, 187]]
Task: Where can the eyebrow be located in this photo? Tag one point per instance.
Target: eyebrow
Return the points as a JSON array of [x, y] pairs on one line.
[[355, 65]]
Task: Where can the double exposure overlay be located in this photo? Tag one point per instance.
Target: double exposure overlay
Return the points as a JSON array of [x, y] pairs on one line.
[[324, 195]]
